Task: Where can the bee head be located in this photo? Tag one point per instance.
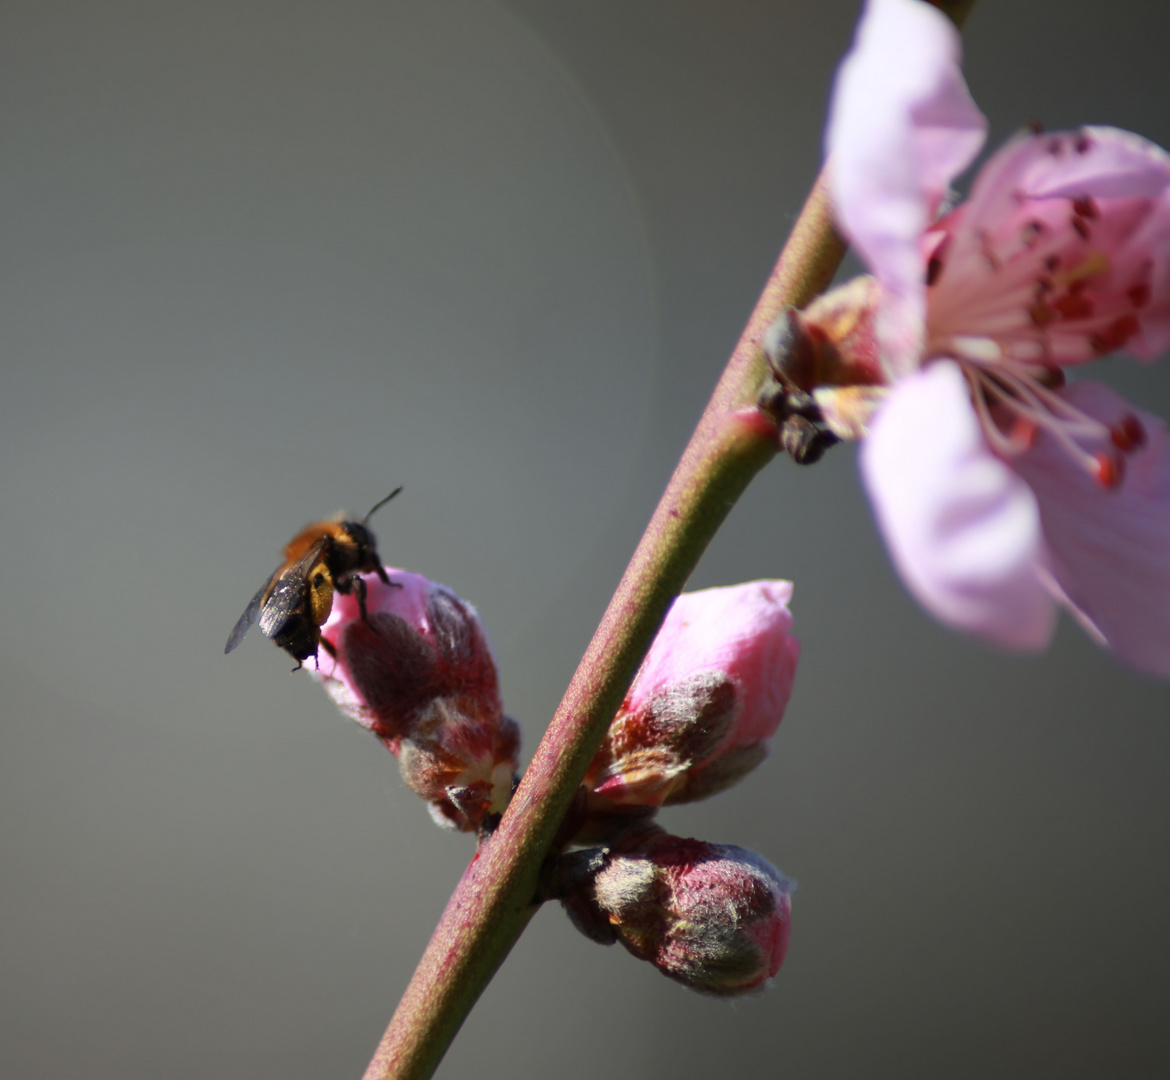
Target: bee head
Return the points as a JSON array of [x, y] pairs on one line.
[[361, 536]]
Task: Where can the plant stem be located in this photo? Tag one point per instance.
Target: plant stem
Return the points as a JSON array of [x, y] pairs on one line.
[[733, 440], [494, 900]]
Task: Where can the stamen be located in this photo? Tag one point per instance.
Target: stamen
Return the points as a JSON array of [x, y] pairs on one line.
[[1028, 386], [1116, 334], [1041, 314], [1073, 306], [1109, 471], [1002, 443], [1014, 405], [1129, 434], [1139, 294], [1085, 207]]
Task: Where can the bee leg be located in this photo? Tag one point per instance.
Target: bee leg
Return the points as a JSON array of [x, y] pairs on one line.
[[328, 648], [359, 587], [385, 578]]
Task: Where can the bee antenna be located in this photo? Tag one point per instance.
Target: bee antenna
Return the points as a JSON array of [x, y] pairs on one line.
[[379, 505]]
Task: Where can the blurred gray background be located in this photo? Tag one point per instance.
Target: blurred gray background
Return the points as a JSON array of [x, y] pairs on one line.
[[261, 262]]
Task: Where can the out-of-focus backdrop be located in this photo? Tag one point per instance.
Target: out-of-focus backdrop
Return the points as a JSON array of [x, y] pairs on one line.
[[261, 262]]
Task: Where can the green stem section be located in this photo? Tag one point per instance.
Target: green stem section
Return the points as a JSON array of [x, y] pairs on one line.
[[732, 442]]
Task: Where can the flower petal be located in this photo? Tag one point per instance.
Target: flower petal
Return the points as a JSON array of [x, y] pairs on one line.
[[1103, 162], [741, 631], [902, 125], [1109, 550], [961, 527], [1154, 238]]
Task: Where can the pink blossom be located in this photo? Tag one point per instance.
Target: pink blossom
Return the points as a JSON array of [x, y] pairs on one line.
[[706, 701], [1002, 492], [417, 672]]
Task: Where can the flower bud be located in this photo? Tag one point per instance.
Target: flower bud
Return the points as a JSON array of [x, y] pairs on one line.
[[712, 916], [418, 673], [705, 703]]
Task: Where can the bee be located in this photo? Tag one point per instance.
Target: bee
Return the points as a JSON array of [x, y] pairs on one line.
[[297, 598]]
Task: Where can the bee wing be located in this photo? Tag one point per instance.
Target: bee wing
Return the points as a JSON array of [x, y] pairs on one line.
[[249, 617], [288, 595]]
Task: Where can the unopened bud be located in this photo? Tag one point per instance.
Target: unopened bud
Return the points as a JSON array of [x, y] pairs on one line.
[[714, 917], [417, 672], [705, 703]]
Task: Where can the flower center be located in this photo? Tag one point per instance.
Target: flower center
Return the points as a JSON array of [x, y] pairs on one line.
[[1019, 285], [1053, 285]]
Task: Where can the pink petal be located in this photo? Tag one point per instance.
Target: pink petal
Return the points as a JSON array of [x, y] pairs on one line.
[[902, 125], [961, 527], [1104, 162], [1154, 238], [1109, 550], [742, 631]]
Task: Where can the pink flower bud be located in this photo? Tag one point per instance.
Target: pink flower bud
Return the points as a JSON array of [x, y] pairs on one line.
[[419, 674], [705, 703], [712, 916]]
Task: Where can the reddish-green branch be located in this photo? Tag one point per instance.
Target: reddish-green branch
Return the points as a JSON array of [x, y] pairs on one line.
[[732, 442], [493, 901]]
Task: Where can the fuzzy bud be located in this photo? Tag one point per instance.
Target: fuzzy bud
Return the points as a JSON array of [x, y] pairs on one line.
[[705, 703], [419, 674], [714, 917]]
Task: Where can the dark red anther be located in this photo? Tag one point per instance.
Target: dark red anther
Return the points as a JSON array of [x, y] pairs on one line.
[[1051, 263], [1129, 434], [1083, 144], [1080, 227], [1056, 147], [1050, 376], [1054, 377], [1085, 207], [1073, 306], [1108, 470], [1139, 295], [1031, 232], [1116, 334], [1041, 314]]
